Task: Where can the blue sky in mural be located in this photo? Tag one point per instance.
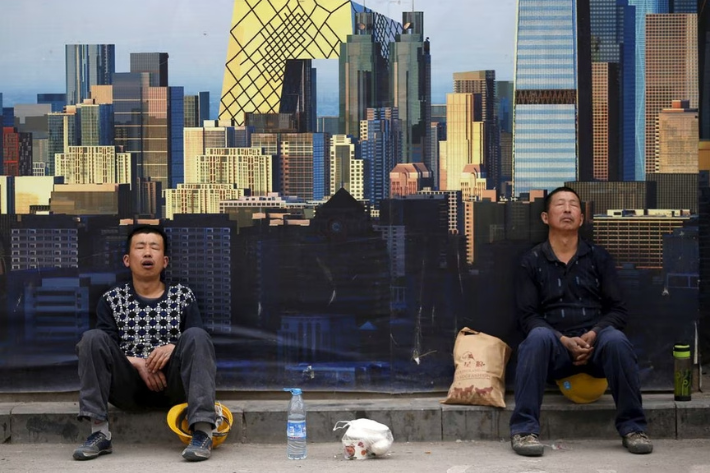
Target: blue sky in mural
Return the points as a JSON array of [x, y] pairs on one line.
[[465, 35]]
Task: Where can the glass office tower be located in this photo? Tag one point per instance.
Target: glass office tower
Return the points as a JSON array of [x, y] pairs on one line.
[[552, 112], [87, 65], [643, 8]]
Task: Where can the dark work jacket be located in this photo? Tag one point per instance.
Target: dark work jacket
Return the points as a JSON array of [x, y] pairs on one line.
[[571, 298]]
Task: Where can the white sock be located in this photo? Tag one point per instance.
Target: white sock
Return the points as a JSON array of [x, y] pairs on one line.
[[205, 427], [101, 426]]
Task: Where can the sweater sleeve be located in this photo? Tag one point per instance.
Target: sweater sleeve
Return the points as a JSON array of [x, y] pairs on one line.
[[105, 320], [191, 316]]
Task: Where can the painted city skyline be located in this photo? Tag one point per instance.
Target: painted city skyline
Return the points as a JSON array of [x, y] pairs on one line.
[[195, 38], [328, 259]]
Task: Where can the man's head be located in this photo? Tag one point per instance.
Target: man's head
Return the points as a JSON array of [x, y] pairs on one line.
[[146, 249], [563, 210]]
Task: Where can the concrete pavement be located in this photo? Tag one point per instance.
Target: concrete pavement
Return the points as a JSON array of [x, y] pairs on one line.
[[563, 456]]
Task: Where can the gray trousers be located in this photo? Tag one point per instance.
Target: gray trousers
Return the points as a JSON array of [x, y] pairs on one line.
[[106, 375]]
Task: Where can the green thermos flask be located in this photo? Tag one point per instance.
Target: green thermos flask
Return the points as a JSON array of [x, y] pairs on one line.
[[683, 372]]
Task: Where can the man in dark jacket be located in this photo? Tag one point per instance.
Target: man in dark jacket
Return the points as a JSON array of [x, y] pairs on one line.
[[571, 310], [148, 350]]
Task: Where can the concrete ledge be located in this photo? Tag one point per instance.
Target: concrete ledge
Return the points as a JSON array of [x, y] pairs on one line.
[[410, 419], [5, 422], [693, 418]]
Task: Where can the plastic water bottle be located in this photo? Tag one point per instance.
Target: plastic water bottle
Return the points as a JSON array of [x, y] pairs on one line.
[[296, 426]]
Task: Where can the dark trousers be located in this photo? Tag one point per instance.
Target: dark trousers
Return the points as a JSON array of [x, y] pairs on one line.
[[543, 358], [106, 375]]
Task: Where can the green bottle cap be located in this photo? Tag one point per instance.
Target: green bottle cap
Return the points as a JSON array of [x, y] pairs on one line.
[[681, 351]]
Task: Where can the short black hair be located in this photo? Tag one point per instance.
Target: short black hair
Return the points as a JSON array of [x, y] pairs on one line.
[[143, 229], [548, 198]]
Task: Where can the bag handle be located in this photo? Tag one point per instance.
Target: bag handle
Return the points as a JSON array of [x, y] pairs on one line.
[[345, 423], [468, 331]]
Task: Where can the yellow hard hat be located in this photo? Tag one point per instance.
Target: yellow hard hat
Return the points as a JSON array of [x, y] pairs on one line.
[[177, 421], [582, 388]]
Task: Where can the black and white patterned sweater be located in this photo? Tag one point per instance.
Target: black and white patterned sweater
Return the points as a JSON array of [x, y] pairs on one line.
[[140, 325]]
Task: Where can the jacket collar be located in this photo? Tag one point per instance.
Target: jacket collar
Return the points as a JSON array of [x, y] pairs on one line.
[[582, 249]]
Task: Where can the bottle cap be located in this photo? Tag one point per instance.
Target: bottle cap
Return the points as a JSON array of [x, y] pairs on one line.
[[294, 391], [681, 351]]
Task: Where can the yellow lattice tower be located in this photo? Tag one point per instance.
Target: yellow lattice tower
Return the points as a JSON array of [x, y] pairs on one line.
[[265, 33]]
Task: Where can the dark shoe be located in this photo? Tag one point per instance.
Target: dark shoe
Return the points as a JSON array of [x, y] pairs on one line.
[[97, 444], [527, 445], [637, 442], [200, 447]]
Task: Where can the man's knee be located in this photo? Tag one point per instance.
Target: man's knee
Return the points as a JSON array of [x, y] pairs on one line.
[[614, 340], [196, 334], [91, 339], [539, 338]]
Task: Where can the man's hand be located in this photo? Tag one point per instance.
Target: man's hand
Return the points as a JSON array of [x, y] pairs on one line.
[[579, 349], [589, 337], [159, 357], [155, 381]]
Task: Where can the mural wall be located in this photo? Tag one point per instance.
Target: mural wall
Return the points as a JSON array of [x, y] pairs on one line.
[[330, 257]]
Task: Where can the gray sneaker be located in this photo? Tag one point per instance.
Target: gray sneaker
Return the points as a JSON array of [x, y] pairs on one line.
[[637, 442], [200, 447], [97, 444], [527, 445]]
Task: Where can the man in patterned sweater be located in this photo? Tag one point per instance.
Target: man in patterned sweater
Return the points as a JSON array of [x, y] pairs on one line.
[[148, 350]]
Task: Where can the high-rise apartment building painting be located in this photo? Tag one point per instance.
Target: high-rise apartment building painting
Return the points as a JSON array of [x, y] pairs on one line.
[[266, 33], [704, 74], [144, 125], [364, 81], [347, 171], [613, 39], [464, 140], [552, 80], [197, 109], [410, 87], [642, 8], [299, 162], [671, 71], [197, 140], [87, 65], [677, 139], [483, 84], [155, 64], [380, 148], [63, 131], [605, 109]]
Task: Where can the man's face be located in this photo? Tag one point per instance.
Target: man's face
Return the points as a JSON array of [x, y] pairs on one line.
[[565, 212], [146, 258]]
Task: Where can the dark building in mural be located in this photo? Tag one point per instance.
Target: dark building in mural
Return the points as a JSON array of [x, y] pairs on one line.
[[603, 196]]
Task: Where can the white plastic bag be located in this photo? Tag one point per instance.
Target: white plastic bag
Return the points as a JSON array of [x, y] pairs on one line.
[[364, 438]]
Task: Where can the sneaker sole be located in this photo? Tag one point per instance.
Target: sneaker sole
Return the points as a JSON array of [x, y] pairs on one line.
[[530, 452], [192, 457], [640, 450], [81, 456]]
